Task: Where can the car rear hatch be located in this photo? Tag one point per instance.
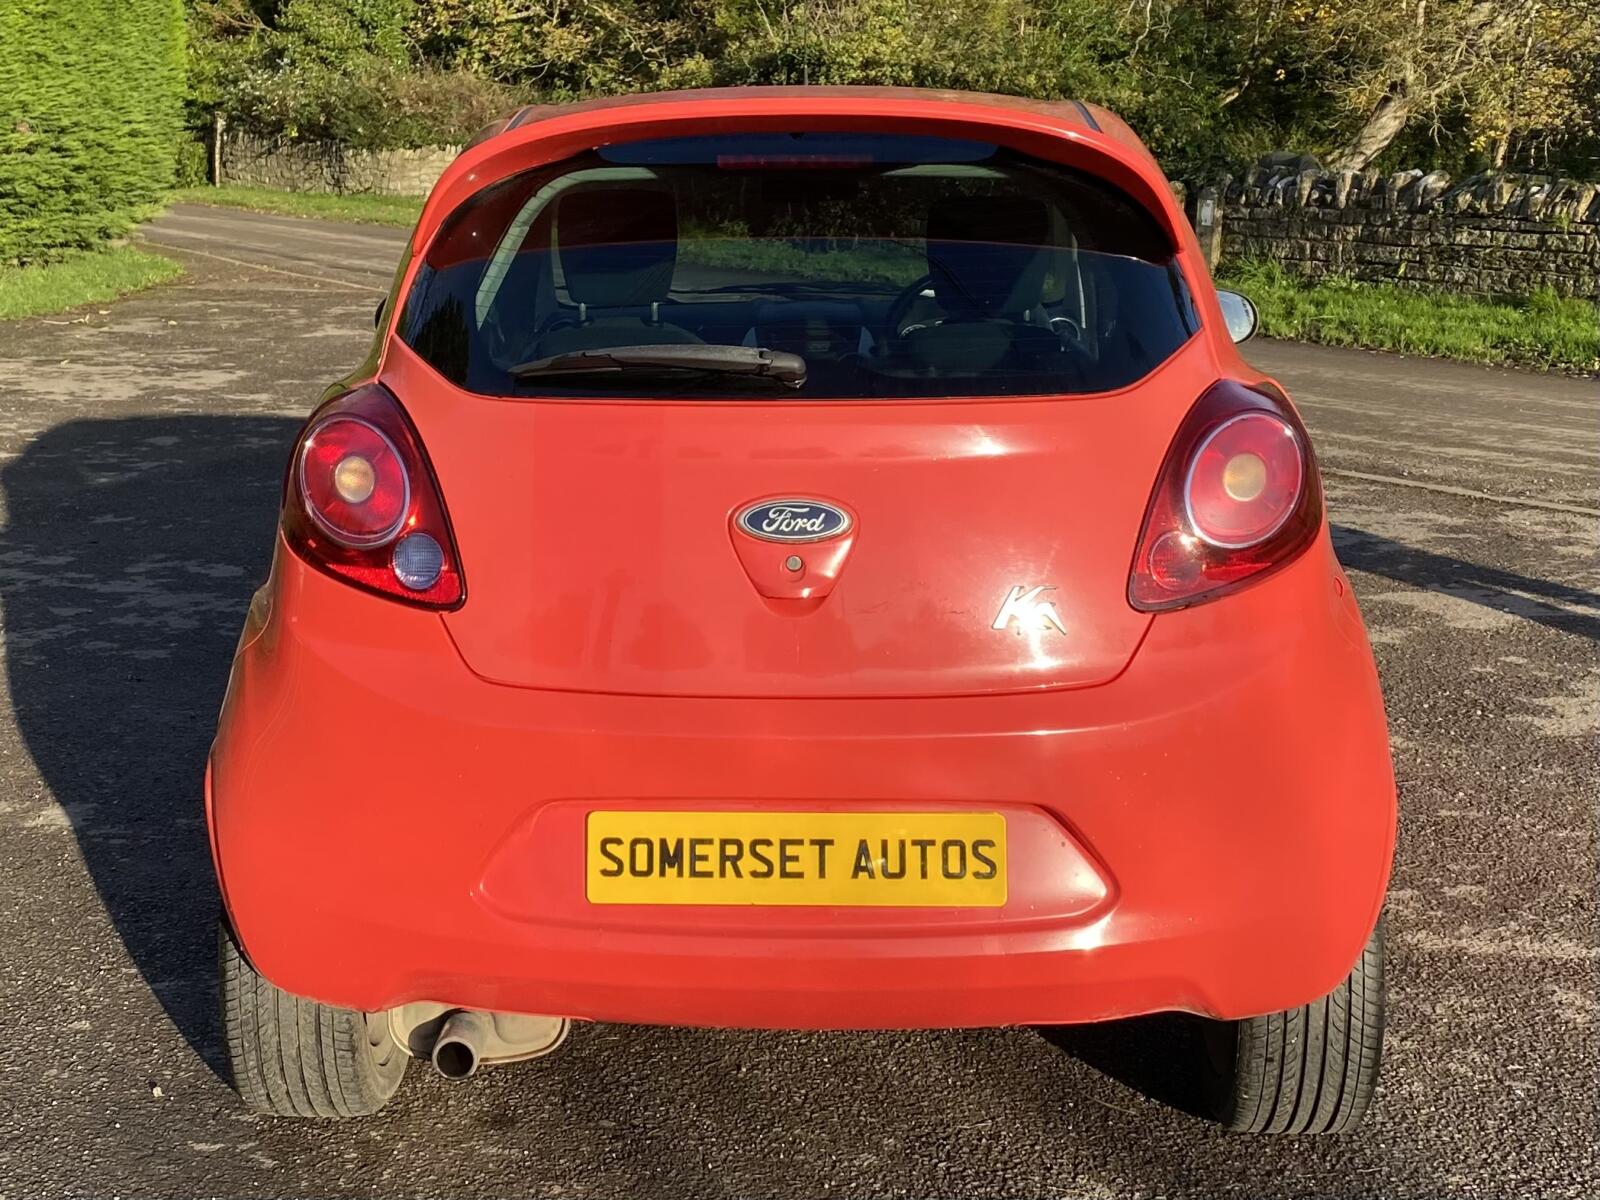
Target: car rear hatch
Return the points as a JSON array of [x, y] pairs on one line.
[[599, 551], [976, 545]]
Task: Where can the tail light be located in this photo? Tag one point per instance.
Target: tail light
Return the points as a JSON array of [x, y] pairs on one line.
[[361, 503], [1238, 497]]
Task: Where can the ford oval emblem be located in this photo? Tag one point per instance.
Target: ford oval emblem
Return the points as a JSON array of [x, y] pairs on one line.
[[793, 520]]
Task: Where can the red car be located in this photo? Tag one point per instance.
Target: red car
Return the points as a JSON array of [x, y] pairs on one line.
[[806, 558]]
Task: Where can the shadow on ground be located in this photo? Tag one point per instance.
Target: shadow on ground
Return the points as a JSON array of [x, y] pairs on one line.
[[1557, 605], [1162, 1057], [129, 555]]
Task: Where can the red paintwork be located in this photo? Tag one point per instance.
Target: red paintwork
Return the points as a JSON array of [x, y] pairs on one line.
[[1200, 802]]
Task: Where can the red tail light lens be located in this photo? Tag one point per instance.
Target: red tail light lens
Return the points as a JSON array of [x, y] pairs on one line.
[[354, 482], [362, 505], [1244, 480], [1238, 497]]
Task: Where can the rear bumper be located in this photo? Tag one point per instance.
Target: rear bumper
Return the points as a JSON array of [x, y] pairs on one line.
[[389, 827]]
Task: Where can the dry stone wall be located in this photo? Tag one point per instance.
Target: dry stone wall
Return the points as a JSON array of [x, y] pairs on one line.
[[331, 166], [1499, 234]]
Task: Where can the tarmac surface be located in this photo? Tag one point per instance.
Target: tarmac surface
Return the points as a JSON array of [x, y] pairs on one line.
[[141, 448]]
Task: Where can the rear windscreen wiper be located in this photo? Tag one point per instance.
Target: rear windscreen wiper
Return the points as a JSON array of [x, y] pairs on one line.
[[758, 362]]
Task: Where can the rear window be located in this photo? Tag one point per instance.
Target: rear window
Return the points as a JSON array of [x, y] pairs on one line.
[[895, 266]]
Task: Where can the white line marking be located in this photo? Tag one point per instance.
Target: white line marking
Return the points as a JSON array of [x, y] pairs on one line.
[[254, 266]]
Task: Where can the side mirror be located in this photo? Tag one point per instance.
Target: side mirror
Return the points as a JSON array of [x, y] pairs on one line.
[[377, 317], [1239, 315]]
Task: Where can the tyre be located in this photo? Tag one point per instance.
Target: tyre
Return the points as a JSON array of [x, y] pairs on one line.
[[1311, 1069], [297, 1058]]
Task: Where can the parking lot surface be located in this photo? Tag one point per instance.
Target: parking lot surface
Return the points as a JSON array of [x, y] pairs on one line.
[[141, 448]]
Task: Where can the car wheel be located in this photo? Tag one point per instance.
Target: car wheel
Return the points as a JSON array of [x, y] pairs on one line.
[[296, 1058], [1311, 1069]]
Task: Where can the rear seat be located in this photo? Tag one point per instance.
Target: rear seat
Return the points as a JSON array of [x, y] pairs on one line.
[[617, 248]]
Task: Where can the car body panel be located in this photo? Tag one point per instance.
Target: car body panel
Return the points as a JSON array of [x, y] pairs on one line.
[[1232, 789]]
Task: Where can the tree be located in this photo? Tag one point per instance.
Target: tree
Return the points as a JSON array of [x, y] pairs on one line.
[[1207, 83], [90, 111], [1505, 67], [344, 70], [1349, 77], [335, 33], [570, 48]]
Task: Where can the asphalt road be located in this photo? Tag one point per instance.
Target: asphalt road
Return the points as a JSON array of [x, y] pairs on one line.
[[140, 452]]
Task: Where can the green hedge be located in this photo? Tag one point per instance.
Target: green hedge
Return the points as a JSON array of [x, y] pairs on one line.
[[90, 97]]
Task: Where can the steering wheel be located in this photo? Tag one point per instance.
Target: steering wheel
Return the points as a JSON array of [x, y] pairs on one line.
[[1068, 330], [900, 308]]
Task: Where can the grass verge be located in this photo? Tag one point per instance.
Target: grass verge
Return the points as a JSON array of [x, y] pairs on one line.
[[370, 210], [88, 277], [1542, 330]]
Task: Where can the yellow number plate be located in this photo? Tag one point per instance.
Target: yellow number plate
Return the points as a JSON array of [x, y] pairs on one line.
[[790, 858]]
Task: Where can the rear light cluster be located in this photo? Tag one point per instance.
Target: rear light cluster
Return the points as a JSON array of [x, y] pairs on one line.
[[362, 505], [1238, 496]]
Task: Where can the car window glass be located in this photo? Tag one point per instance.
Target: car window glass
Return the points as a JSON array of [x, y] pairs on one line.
[[896, 266]]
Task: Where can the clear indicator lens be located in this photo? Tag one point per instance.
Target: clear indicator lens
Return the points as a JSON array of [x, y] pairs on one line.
[[418, 561]]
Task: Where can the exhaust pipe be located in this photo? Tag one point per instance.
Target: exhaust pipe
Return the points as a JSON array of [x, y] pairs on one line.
[[460, 1043]]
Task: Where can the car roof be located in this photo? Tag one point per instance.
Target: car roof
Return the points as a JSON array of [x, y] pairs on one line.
[[1074, 109], [1091, 116]]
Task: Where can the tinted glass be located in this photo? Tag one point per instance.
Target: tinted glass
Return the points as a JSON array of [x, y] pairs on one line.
[[896, 266]]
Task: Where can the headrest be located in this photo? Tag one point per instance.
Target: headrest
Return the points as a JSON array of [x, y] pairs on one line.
[[987, 254], [618, 246]]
